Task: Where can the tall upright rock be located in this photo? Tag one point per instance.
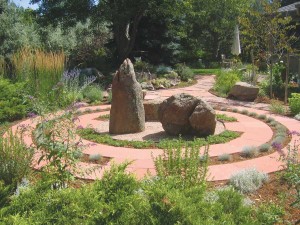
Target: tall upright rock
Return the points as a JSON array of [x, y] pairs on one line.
[[127, 114]]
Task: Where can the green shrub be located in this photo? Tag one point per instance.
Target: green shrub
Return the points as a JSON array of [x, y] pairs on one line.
[[15, 158], [93, 93], [184, 72], [277, 107], [162, 69], [245, 112], [270, 119], [248, 180], [270, 213], [253, 114], [225, 80], [182, 162], [292, 172], [294, 103], [12, 103], [262, 117], [5, 192]]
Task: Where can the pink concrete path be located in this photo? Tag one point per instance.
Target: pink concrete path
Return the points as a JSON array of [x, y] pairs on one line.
[[254, 131]]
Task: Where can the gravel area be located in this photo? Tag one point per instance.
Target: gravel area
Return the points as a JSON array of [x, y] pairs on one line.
[[153, 131]]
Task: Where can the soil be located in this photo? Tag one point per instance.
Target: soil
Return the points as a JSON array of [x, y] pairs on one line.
[[276, 190]]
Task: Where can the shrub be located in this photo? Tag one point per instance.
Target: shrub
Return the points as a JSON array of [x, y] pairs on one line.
[[249, 152], [95, 157], [294, 103], [225, 81], [157, 83], [15, 158], [162, 69], [245, 112], [93, 93], [264, 147], [73, 86], [182, 162], [270, 119], [184, 72], [248, 180], [277, 107], [12, 103], [171, 75], [262, 117], [253, 114], [235, 110], [270, 213], [224, 157], [292, 172]]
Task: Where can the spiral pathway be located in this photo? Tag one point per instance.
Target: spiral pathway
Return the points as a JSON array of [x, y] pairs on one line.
[[254, 133]]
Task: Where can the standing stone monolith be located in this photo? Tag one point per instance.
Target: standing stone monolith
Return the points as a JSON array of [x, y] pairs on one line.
[[127, 114]]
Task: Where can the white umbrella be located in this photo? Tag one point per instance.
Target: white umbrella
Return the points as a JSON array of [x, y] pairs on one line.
[[236, 45]]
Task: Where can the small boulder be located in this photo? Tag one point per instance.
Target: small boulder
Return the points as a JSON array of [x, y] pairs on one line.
[[243, 91], [127, 113]]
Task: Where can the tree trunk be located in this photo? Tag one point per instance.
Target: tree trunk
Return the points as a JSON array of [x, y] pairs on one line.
[[271, 80], [125, 35], [287, 78]]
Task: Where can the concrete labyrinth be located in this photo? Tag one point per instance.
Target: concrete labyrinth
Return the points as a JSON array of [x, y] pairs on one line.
[[254, 133]]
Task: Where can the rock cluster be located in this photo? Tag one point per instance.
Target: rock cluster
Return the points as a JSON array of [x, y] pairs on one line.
[[185, 114]]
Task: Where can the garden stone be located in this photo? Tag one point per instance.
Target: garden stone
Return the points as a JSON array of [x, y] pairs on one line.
[[203, 119], [186, 114], [151, 109], [175, 111], [243, 91], [127, 113]]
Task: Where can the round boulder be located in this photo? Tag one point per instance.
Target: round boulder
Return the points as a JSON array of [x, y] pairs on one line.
[[185, 114]]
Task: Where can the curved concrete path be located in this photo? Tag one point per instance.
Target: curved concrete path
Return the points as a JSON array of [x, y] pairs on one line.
[[254, 131]]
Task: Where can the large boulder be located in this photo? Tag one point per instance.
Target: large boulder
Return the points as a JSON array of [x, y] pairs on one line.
[[127, 113], [185, 114], [243, 91]]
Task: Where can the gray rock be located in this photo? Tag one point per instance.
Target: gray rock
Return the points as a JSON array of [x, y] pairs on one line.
[[185, 114], [243, 91], [127, 113]]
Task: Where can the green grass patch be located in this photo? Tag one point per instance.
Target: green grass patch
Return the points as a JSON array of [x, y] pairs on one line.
[[91, 135], [206, 71], [104, 117], [225, 118]]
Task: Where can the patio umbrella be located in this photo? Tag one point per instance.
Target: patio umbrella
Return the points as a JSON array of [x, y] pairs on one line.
[[236, 45]]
